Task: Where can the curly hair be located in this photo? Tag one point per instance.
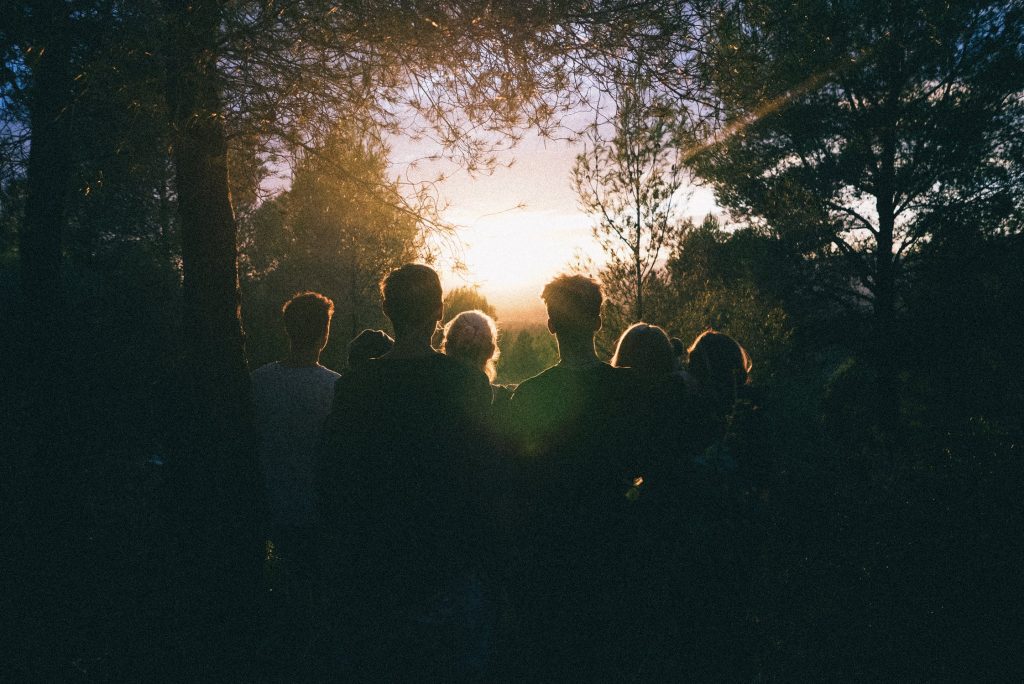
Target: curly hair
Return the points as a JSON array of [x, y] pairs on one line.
[[472, 337], [573, 302]]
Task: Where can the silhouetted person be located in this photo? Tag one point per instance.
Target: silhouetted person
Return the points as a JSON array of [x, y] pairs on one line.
[[715, 527], [578, 466], [721, 368], [673, 422], [646, 349], [472, 338], [403, 497], [292, 397], [676, 429], [368, 344], [566, 404]]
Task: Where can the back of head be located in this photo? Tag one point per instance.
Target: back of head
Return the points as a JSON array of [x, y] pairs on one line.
[[646, 348], [368, 344], [307, 317], [412, 297], [574, 304], [719, 363], [472, 337], [678, 347]]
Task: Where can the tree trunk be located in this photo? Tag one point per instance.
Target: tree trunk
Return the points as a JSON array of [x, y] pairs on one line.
[[885, 345], [40, 238], [638, 311], [216, 479], [46, 495]]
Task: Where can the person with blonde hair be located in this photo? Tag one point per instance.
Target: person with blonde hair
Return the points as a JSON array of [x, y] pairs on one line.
[[472, 337]]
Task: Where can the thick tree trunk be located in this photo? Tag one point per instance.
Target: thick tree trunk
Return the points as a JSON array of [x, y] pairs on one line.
[[44, 493], [40, 238], [216, 478]]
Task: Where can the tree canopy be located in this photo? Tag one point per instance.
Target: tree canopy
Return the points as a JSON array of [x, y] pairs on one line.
[[856, 131]]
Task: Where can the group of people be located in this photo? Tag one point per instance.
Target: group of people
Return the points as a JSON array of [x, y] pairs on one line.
[[454, 528]]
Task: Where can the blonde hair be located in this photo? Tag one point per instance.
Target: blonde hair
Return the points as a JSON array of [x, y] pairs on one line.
[[472, 337]]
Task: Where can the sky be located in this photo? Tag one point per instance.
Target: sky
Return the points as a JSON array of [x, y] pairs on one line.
[[521, 225]]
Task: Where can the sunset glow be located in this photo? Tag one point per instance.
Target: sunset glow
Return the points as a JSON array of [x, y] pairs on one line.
[[521, 225]]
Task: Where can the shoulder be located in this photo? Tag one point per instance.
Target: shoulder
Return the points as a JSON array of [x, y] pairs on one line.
[[267, 378], [617, 380], [327, 375], [503, 391], [265, 369], [539, 382], [458, 370], [355, 379], [752, 394], [612, 373]]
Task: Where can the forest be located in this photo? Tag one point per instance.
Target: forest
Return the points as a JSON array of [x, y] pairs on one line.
[[868, 159]]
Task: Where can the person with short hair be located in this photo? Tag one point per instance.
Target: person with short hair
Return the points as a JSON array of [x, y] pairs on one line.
[[291, 398], [577, 433], [404, 498], [565, 405]]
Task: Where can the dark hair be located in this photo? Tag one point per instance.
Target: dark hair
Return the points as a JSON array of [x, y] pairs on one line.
[[678, 347], [720, 364], [412, 296], [368, 344], [646, 348], [307, 316], [574, 303]]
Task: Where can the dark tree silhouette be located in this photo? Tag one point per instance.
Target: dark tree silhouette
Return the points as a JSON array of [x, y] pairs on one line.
[[852, 129]]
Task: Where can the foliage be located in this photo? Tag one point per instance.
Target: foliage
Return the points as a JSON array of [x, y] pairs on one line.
[[525, 353], [331, 232], [732, 281], [718, 280], [863, 557], [630, 182], [855, 131], [462, 299]]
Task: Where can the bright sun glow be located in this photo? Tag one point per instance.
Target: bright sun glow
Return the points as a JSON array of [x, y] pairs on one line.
[[510, 256], [520, 226]]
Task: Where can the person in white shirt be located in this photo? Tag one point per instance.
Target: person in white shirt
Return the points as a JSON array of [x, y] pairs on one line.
[[292, 397]]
